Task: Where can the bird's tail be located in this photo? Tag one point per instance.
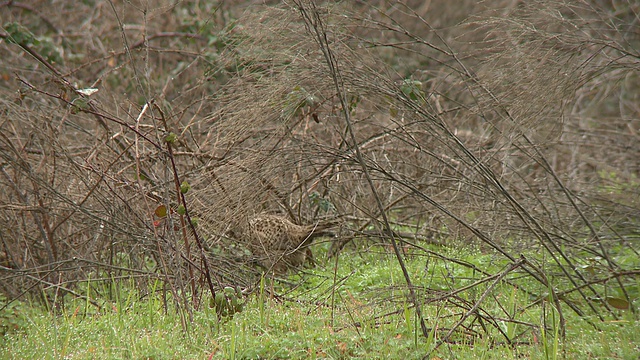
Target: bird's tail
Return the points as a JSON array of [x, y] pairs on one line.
[[320, 229]]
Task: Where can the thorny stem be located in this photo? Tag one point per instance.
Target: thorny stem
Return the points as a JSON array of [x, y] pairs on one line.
[[182, 199]]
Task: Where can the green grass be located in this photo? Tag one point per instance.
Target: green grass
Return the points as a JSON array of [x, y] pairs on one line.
[[307, 326]]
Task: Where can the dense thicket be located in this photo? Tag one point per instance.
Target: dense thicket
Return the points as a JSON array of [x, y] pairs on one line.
[[503, 125]]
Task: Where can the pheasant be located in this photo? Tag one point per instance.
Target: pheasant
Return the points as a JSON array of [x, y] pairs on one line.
[[279, 244]]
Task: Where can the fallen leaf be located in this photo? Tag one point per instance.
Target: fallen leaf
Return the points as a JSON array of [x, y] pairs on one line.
[[618, 303]]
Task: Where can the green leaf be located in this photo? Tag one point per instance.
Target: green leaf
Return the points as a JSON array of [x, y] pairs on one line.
[[219, 298], [412, 89], [297, 99], [79, 104], [185, 187], [171, 138], [19, 34], [322, 203], [50, 52], [229, 291]]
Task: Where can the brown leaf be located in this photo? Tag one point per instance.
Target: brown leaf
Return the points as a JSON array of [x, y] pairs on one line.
[[161, 211], [618, 303]]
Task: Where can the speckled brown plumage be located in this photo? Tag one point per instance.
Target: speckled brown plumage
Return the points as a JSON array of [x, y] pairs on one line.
[[278, 244]]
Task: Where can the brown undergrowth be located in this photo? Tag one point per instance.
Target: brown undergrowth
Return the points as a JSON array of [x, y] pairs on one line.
[[508, 126]]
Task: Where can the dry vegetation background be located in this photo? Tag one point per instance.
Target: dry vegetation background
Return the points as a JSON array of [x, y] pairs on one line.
[[502, 125]]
